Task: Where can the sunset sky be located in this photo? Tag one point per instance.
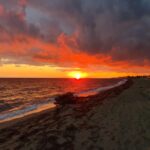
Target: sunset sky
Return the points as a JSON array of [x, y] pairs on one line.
[[53, 38]]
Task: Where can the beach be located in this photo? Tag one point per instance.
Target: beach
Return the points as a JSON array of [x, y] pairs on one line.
[[116, 119]]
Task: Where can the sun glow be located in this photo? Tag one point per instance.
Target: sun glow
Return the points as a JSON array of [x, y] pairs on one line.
[[77, 74]]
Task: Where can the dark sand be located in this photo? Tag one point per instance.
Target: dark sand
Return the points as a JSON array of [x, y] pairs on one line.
[[118, 119]]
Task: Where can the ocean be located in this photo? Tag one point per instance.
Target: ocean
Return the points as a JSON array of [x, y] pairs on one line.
[[19, 97]]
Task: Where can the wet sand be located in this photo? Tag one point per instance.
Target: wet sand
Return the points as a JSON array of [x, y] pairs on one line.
[[118, 119]]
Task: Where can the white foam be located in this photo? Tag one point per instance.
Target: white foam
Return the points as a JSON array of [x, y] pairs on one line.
[[25, 111], [101, 89]]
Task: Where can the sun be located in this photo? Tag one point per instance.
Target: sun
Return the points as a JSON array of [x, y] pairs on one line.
[[77, 74]]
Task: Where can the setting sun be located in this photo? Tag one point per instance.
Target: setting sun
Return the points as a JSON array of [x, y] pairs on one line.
[[77, 74]]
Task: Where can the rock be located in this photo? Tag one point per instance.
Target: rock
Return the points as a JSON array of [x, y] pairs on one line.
[[67, 98]]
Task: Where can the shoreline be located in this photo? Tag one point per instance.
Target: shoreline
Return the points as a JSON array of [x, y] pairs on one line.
[[20, 114], [15, 121], [116, 119], [50, 107]]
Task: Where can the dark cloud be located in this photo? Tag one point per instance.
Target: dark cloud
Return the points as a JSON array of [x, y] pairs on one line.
[[13, 23], [108, 26], [119, 28]]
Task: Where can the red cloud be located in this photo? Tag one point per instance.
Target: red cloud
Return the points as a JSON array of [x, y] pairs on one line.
[[23, 2], [1, 10]]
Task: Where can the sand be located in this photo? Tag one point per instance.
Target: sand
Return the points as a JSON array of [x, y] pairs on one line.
[[118, 119]]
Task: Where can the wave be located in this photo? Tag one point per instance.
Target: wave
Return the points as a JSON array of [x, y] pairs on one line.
[[26, 111], [34, 108]]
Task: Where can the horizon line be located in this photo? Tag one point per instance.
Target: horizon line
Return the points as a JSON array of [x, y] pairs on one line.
[[73, 78]]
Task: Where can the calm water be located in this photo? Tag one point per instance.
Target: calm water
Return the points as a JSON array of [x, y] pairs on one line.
[[16, 94]]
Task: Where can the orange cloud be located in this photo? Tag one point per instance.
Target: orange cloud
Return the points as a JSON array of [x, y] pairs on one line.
[[28, 50]]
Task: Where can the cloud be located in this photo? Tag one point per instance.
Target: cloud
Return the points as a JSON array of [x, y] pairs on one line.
[[107, 26], [110, 30]]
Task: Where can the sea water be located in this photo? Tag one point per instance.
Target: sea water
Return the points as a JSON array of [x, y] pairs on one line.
[[19, 97]]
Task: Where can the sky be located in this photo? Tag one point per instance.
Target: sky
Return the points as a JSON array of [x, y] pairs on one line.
[[51, 38]]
